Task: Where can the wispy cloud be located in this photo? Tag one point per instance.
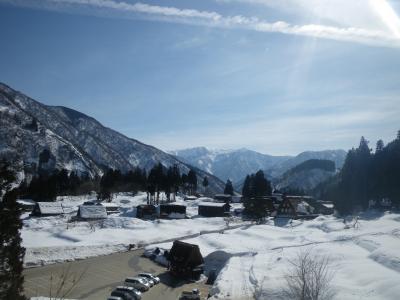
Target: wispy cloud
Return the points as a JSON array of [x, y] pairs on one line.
[[214, 19], [295, 131]]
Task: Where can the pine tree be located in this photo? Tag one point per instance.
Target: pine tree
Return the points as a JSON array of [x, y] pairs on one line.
[[379, 146], [256, 189], [205, 182], [228, 188], [192, 180], [11, 252]]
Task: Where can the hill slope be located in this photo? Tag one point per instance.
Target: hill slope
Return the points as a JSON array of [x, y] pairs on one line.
[[307, 175], [35, 135]]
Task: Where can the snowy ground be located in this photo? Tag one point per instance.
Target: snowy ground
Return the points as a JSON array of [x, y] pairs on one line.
[[251, 259], [55, 239], [365, 260]]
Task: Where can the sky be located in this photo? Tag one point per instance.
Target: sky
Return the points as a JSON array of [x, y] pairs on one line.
[[278, 77]]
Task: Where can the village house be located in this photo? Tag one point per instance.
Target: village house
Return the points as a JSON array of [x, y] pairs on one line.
[[146, 211], [172, 211], [225, 198], [213, 209], [295, 207], [91, 212], [45, 209], [111, 208], [185, 260]]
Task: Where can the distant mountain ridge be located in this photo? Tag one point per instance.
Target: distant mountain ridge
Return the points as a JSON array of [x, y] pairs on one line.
[[74, 141], [228, 164], [236, 164]]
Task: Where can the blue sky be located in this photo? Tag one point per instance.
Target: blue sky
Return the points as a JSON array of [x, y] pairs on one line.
[[279, 77]]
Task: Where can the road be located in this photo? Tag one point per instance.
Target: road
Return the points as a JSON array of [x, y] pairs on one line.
[[99, 275]]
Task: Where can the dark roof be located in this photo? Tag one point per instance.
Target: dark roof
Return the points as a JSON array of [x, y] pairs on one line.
[[185, 254]]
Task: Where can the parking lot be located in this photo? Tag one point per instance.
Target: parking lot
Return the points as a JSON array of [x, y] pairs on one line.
[[101, 274]]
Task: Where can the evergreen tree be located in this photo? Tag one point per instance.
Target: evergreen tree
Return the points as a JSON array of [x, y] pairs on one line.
[[11, 252], [366, 176], [256, 190], [205, 182], [192, 180], [379, 146], [156, 180], [228, 188], [106, 186]]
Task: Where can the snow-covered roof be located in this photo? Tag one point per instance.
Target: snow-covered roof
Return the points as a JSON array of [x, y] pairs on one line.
[[92, 212], [222, 196], [205, 199], [213, 204], [26, 202], [107, 204], [50, 208]]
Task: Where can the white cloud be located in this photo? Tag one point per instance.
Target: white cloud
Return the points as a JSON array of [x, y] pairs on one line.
[[210, 18]]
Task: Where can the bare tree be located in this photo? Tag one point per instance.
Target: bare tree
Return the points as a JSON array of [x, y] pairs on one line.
[[309, 277], [62, 284]]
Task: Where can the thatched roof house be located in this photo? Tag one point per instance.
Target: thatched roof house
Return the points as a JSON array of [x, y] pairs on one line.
[[185, 260], [294, 206]]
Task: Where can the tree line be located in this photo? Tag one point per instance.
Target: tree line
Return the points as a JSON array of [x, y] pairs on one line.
[[46, 186], [366, 175]]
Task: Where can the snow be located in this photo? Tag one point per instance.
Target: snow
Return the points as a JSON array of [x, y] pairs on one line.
[[364, 257], [251, 260], [56, 238], [213, 204]]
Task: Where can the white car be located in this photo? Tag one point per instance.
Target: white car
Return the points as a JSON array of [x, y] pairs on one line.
[[134, 293], [138, 283], [149, 276]]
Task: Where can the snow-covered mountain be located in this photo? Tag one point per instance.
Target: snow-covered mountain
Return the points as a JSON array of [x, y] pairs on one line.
[[337, 156], [228, 164], [35, 135], [236, 164], [307, 175]]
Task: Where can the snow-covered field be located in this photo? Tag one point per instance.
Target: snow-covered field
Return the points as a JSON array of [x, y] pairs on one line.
[[55, 239], [251, 259], [254, 259]]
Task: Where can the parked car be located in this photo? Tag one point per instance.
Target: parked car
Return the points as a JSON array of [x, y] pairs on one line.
[[149, 281], [193, 295], [114, 298], [155, 279], [134, 293], [138, 283], [121, 294]]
